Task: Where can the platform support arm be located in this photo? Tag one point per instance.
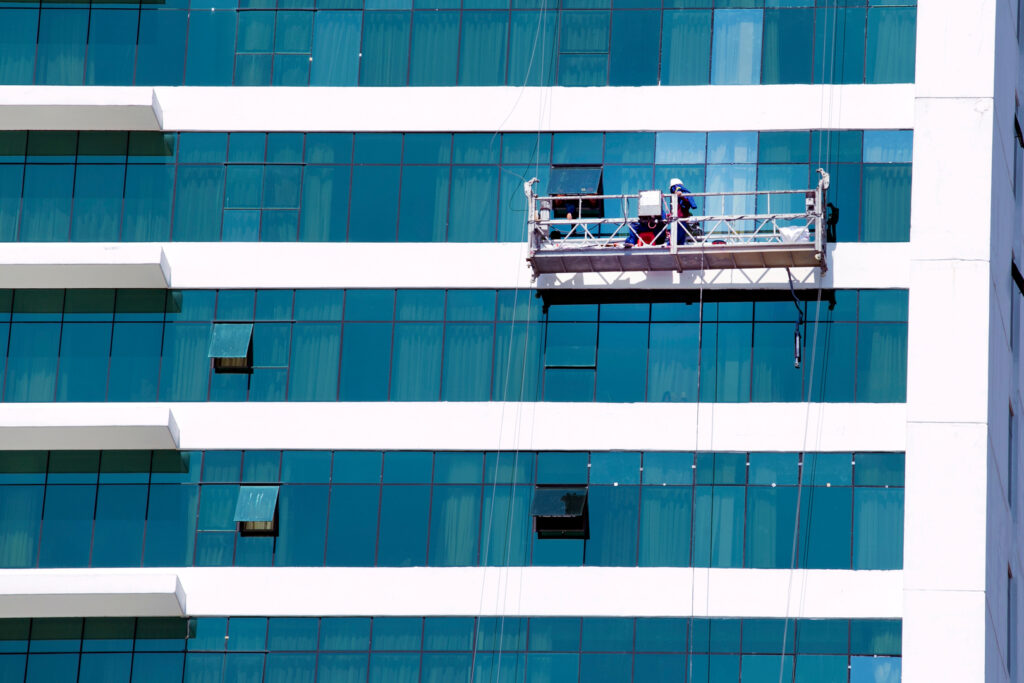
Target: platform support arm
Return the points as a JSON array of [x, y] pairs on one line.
[[821, 215], [531, 214]]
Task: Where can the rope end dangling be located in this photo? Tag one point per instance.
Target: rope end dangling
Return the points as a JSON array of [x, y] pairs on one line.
[[797, 352]]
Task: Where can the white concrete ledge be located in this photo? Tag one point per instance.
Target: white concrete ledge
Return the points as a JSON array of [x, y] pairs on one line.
[[72, 426], [484, 109], [470, 591], [42, 107], [83, 265], [195, 265], [87, 593]]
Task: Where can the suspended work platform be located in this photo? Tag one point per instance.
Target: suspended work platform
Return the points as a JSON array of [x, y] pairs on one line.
[[758, 229]]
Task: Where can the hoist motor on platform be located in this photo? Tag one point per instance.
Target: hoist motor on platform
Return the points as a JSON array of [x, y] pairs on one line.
[[570, 233]]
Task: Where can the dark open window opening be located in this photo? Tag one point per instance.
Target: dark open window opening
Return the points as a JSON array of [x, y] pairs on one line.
[[560, 512], [231, 347], [572, 182], [256, 510]]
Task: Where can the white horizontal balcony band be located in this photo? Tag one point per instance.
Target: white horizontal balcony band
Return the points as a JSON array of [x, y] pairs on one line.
[[74, 426], [518, 591], [33, 107], [193, 265], [457, 426], [87, 593], [485, 109], [42, 266]]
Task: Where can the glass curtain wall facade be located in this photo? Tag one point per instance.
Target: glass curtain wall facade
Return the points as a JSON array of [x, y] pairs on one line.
[[393, 509], [453, 43], [449, 650], [463, 187], [452, 345]]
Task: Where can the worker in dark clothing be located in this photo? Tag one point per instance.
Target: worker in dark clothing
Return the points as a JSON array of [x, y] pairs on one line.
[[684, 209]]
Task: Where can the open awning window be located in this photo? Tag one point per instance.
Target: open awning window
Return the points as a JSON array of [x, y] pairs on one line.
[[231, 347], [256, 510], [574, 180], [560, 512]]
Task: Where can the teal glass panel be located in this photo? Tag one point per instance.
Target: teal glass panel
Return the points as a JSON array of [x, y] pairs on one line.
[[210, 55], [766, 668], [470, 304], [732, 148], [290, 668], [731, 363], [876, 636], [882, 363], [552, 667], [454, 526], [886, 203], [97, 204], [718, 526], [554, 634], [22, 508], [18, 32], [147, 203], [385, 48], [877, 528], [67, 527], [468, 349], [45, 668], [665, 513], [244, 186], [532, 49], [105, 667], [255, 34], [890, 44], [827, 637], [336, 48], [10, 200], [324, 216], [613, 539], [294, 31], [518, 351], [568, 384], [458, 467], [615, 468], [407, 467], [46, 203], [420, 304], [365, 362], [416, 362], [345, 633], [771, 523], [135, 361], [833, 374], [583, 69], [577, 148], [875, 670], [606, 668], [507, 526], [230, 340], [472, 219], [773, 468], [303, 528], [350, 543], [668, 468], [404, 518], [880, 469], [185, 368], [672, 374], [281, 187], [112, 34], [442, 668], [397, 633], [424, 208], [634, 47], [788, 46], [256, 503], [216, 504], [370, 304], [435, 45], [198, 202], [783, 147], [825, 524], [736, 51], [85, 348], [621, 361], [306, 466], [571, 345], [584, 32], [475, 148], [373, 220], [314, 362], [394, 668], [32, 362], [839, 45], [685, 47], [607, 634], [773, 376], [61, 45], [888, 146], [339, 668]]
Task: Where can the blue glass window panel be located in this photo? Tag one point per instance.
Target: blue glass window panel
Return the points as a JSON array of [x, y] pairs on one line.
[[607, 635], [46, 203], [351, 633], [473, 218], [107, 667], [216, 505], [85, 348], [661, 667], [10, 200], [378, 148], [243, 668], [314, 365], [888, 146], [815, 636], [774, 377], [890, 44], [628, 148], [668, 468], [788, 46], [424, 207], [568, 384], [73, 467], [46, 668], [261, 466], [365, 362], [273, 304], [883, 305], [736, 49], [781, 177], [532, 50], [680, 148], [435, 48], [470, 304], [111, 47], [281, 187], [61, 45], [562, 468], [255, 34], [882, 363], [552, 667], [448, 633], [294, 31], [766, 668], [613, 540], [420, 304], [584, 32], [52, 146], [67, 527], [244, 186], [615, 468], [458, 467], [404, 516], [394, 668], [622, 362], [373, 215], [518, 349], [135, 361], [834, 371], [526, 148], [203, 668], [210, 54], [886, 203], [352, 526], [571, 345], [505, 666], [397, 633], [24, 467], [336, 49], [147, 203], [185, 368], [407, 467], [306, 466], [369, 304], [732, 148], [783, 147], [221, 466], [880, 469], [97, 213], [357, 467], [507, 525], [583, 69], [254, 503], [36, 305], [385, 48], [324, 215], [771, 519], [290, 668], [825, 521], [482, 48], [32, 362], [672, 373], [727, 362], [820, 669], [163, 667], [832, 469], [254, 551], [335, 668], [634, 47], [292, 633], [120, 520], [555, 634], [303, 522], [454, 526], [198, 202], [230, 340], [18, 34], [170, 525], [55, 635], [577, 148], [839, 45], [877, 528], [685, 47], [416, 370], [501, 633], [876, 636], [445, 668], [606, 668], [329, 148], [22, 508], [718, 526], [875, 669], [512, 224], [773, 468], [665, 512]]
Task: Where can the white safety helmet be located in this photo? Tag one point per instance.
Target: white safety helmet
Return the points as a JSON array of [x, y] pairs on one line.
[[675, 181]]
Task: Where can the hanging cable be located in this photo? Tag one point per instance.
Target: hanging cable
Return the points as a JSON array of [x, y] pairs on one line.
[[797, 353]]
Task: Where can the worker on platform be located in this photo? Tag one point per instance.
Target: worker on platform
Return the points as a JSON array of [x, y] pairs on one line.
[[684, 209]]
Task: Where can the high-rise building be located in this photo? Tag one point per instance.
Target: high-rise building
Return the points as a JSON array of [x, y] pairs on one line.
[[292, 392]]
